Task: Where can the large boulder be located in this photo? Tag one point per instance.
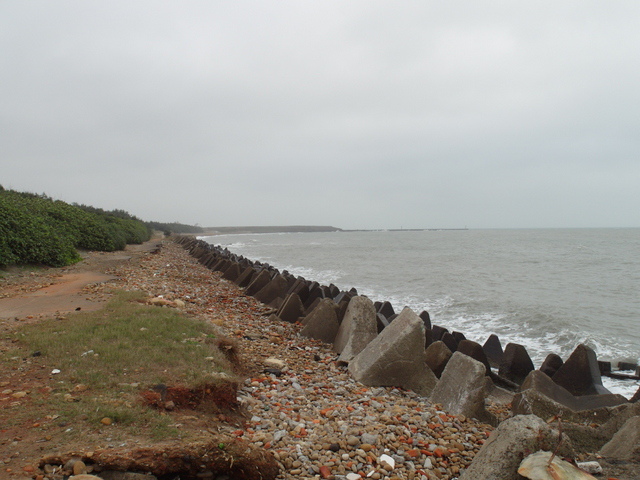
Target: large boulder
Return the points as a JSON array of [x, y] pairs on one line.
[[357, 329], [515, 438], [322, 323], [516, 363], [625, 444], [580, 374], [462, 388], [436, 356], [395, 358]]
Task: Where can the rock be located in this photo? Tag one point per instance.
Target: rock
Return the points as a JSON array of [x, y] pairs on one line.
[[79, 468], [357, 329], [551, 364], [396, 357], [322, 323], [580, 374], [547, 466], [593, 467], [462, 388], [625, 444], [590, 439], [493, 350], [86, 477], [500, 456], [436, 356], [541, 396], [475, 351], [114, 475], [291, 309], [516, 363]]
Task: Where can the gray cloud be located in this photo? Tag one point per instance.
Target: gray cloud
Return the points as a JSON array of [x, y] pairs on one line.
[[364, 114]]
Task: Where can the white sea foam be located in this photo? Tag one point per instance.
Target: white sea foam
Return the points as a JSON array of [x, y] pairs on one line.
[[548, 290]]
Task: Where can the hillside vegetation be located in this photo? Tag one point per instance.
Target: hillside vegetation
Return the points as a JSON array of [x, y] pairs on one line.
[[35, 229]]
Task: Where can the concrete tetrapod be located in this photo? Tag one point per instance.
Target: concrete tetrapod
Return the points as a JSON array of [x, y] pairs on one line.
[[396, 357]]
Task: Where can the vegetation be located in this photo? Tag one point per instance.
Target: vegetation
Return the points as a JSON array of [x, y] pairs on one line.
[[175, 227], [35, 229], [106, 358]]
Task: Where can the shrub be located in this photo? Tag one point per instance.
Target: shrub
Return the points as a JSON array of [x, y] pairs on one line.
[[36, 229]]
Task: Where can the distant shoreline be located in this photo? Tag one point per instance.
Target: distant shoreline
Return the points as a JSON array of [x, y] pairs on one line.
[[212, 231]]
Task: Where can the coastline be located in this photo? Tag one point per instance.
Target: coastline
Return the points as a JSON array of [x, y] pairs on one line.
[[301, 405]]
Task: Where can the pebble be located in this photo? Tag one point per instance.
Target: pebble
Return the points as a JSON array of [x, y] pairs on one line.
[[316, 420]]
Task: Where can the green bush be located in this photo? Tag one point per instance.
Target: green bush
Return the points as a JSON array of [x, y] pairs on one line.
[[37, 229]]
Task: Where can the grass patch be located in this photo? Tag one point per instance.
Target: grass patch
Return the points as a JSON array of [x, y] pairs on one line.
[[106, 357]]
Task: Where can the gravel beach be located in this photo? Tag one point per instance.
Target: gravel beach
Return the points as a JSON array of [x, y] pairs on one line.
[[301, 405]]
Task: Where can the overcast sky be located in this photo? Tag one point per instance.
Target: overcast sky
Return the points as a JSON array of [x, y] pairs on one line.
[[357, 114]]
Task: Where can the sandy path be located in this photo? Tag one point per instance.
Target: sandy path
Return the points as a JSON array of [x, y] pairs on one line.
[[41, 294], [64, 296]]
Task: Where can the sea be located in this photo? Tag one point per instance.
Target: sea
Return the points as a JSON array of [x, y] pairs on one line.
[[547, 289]]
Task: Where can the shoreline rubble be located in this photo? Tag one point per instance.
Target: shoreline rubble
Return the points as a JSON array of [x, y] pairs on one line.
[[580, 374], [305, 407]]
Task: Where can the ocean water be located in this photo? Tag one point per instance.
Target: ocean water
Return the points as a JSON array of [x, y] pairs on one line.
[[548, 289]]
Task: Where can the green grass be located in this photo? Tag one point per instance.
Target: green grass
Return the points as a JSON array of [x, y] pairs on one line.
[[117, 352]]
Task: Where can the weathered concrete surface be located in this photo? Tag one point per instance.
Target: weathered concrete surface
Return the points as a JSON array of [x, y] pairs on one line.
[[357, 329], [291, 309], [580, 374], [396, 357], [500, 456], [625, 444], [322, 323], [541, 396], [516, 363], [437, 355], [276, 288], [462, 388]]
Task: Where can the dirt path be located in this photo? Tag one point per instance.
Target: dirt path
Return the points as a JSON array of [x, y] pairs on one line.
[[28, 296]]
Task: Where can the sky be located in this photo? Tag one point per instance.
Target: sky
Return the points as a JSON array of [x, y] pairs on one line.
[[356, 114]]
